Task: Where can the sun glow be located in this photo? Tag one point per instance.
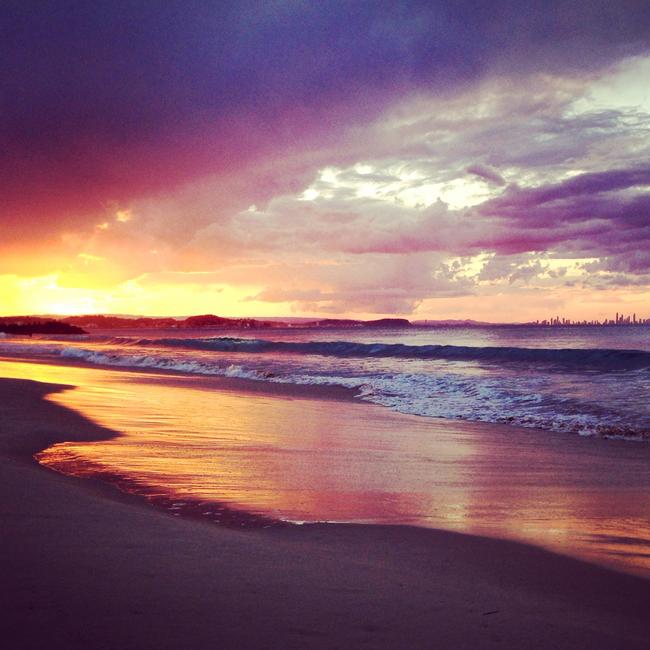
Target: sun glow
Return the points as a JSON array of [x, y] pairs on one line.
[[43, 295], [144, 295]]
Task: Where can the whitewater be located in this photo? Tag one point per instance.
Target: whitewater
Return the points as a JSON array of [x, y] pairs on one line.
[[581, 380]]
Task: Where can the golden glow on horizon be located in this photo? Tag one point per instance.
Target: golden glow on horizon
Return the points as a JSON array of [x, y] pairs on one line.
[[187, 295], [45, 295]]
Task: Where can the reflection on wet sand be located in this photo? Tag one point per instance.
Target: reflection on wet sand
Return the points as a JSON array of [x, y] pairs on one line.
[[308, 459]]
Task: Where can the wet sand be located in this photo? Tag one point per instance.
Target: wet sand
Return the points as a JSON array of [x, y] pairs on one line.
[[246, 452], [84, 566]]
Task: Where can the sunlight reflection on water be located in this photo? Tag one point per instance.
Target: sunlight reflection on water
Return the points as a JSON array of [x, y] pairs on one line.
[[303, 459]]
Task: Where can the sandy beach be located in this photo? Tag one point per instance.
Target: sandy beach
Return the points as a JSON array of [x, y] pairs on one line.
[[85, 566]]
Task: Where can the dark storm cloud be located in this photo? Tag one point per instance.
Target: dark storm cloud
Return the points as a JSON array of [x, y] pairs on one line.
[[519, 202], [107, 101], [592, 214]]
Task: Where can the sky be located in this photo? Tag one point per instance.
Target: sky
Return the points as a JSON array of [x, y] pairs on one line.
[[423, 159]]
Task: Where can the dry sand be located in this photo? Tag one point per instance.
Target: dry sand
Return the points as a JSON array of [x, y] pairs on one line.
[[84, 566]]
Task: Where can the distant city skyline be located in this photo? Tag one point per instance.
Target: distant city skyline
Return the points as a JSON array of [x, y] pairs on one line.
[[619, 319]]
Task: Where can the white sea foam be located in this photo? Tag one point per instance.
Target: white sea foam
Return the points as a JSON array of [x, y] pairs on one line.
[[160, 363], [589, 402]]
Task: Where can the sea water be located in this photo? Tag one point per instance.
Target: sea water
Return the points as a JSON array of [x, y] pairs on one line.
[[283, 454], [592, 381]]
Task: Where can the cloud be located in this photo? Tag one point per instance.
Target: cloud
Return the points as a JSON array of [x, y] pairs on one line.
[[590, 184], [487, 174], [589, 214], [353, 157], [503, 267], [593, 214], [121, 101], [379, 284]]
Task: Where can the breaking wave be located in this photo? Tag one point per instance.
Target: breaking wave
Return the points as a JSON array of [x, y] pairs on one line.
[[159, 363], [602, 359], [590, 391]]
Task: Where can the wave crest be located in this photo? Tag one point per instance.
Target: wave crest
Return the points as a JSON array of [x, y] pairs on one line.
[[600, 359]]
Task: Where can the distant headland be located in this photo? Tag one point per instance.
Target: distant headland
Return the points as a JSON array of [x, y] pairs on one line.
[[27, 326], [210, 321]]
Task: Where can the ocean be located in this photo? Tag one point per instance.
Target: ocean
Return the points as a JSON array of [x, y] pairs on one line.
[[590, 381], [537, 435]]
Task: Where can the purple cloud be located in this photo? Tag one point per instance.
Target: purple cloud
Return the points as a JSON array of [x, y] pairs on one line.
[[517, 199], [114, 101], [486, 173]]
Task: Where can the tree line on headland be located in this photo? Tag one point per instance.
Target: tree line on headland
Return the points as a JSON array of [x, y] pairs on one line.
[[28, 325]]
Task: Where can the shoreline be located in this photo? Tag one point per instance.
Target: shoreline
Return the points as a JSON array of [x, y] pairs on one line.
[[75, 552], [503, 451], [234, 384], [334, 391]]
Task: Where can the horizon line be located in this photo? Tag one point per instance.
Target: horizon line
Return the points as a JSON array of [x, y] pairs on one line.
[[555, 321]]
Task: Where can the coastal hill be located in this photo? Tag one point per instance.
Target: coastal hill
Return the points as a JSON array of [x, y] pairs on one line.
[[210, 321], [28, 325], [340, 322], [207, 321]]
